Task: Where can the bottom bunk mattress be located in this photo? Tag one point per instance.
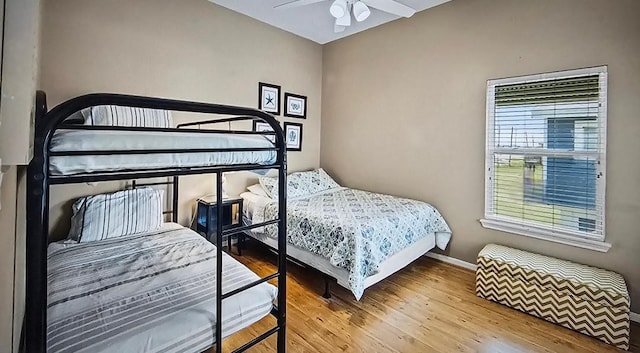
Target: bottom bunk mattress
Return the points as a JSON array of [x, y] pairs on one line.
[[353, 229], [152, 292]]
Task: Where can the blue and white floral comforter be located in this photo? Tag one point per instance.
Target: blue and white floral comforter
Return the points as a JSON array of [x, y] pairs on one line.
[[357, 230]]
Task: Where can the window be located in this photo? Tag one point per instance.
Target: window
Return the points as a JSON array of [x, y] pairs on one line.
[[545, 156]]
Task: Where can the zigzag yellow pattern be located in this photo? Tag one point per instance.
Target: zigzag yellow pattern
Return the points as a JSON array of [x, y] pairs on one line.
[[578, 275], [552, 282], [487, 282], [603, 314]]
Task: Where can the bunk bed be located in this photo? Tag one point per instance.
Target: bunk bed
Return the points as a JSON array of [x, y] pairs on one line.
[[57, 285]]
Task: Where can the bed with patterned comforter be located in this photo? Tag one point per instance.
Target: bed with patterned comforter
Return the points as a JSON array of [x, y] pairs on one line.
[[356, 230], [152, 292]]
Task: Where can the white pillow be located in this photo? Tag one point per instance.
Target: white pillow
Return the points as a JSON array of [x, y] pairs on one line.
[[257, 189], [270, 186], [122, 213], [111, 115]]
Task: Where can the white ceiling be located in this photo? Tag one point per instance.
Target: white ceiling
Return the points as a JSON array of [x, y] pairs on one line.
[[314, 21]]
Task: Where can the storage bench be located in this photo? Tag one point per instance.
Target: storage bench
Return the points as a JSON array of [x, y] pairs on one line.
[[586, 299]]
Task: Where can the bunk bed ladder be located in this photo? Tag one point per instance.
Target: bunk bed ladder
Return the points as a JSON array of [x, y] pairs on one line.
[[279, 311]]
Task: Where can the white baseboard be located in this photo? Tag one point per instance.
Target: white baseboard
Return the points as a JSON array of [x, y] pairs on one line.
[[453, 261], [635, 317]]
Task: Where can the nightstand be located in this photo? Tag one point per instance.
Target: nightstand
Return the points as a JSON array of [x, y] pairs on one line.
[[207, 217]]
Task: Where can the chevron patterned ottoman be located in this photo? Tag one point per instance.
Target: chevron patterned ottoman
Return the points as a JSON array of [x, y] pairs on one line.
[[586, 299]]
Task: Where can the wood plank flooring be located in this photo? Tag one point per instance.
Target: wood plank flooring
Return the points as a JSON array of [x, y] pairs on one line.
[[430, 306]]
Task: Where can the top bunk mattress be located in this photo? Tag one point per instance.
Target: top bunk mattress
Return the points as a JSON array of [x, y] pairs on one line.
[[86, 140]]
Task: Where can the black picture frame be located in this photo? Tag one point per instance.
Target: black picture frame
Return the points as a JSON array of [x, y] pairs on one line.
[[297, 129], [265, 100], [262, 126], [290, 110]]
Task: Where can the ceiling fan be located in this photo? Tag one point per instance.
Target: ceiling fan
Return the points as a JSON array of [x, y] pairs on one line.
[[342, 9]]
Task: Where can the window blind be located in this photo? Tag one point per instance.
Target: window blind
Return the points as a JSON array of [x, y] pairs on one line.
[[545, 152]]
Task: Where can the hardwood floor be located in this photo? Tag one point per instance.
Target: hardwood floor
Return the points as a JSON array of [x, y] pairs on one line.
[[430, 306]]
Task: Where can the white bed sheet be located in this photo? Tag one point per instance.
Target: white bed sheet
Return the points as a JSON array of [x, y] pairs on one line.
[[151, 292], [253, 205], [83, 140]]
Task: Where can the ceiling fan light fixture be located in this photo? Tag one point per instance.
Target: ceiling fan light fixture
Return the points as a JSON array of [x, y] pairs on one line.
[[345, 20], [361, 11], [339, 8]]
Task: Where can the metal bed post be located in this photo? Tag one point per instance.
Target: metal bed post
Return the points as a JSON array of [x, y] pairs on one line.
[[219, 262], [174, 207], [282, 247], [327, 287], [36, 244]]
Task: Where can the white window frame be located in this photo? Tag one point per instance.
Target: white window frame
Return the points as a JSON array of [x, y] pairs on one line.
[[531, 229]]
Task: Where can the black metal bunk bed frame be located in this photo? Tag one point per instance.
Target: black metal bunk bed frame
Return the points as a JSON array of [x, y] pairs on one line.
[[39, 181]]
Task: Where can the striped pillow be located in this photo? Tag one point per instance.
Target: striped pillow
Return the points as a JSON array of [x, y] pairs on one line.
[[122, 213], [111, 115]]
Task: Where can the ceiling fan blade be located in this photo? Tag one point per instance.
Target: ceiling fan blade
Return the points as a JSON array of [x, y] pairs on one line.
[[296, 3], [391, 6], [338, 29]]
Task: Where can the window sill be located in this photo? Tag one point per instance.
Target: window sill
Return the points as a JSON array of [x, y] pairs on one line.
[[566, 239]]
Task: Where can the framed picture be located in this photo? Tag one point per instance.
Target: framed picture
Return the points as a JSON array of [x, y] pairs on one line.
[[262, 126], [295, 106], [293, 136], [269, 98]]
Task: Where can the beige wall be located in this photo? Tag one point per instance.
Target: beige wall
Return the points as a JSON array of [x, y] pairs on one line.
[[7, 239], [190, 49], [12, 259], [20, 256], [19, 78], [20, 37], [404, 109]]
